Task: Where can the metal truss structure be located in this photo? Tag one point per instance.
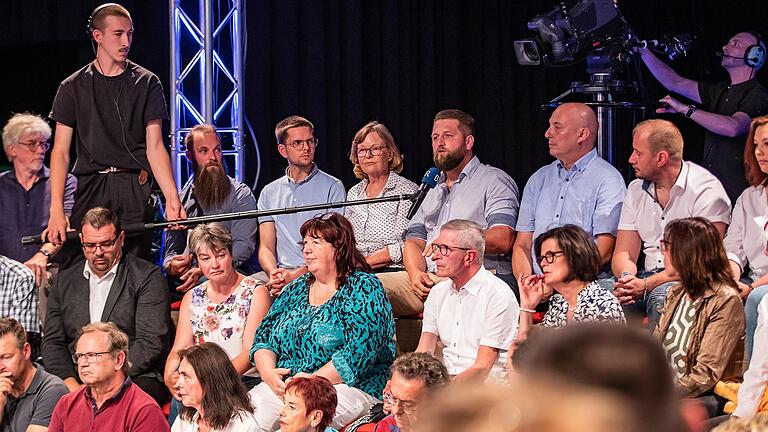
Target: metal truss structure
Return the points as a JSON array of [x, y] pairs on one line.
[[207, 45]]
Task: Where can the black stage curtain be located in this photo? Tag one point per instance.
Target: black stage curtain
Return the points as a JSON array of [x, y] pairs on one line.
[[343, 63]]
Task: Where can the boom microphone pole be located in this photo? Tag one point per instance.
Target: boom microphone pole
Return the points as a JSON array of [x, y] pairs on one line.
[[250, 214]]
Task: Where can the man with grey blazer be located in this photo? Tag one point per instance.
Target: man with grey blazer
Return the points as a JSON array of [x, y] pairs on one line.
[[109, 287]]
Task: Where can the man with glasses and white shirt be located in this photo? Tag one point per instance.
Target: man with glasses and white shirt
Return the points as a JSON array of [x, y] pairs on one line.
[[473, 312], [280, 250], [110, 287], [25, 192]]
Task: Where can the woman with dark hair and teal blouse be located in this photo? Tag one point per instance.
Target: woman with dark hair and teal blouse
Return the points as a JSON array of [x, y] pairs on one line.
[[334, 321]]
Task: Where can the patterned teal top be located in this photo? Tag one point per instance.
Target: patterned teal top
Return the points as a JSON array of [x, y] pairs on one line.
[[354, 329]]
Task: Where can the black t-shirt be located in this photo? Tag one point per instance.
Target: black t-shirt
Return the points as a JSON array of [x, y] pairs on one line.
[[724, 156], [109, 116]]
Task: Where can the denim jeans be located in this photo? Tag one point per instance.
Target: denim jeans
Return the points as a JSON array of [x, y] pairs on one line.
[[653, 304], [750, 313]]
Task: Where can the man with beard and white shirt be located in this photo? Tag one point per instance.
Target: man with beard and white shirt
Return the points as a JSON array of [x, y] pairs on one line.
[[210, 192], [280, 242], [468, 190]]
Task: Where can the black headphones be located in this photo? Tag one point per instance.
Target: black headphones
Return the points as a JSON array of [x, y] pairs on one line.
[[89, 27], [754, 55]]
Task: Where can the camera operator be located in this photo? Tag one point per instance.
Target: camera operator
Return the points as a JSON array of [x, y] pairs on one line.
[[724, 109]]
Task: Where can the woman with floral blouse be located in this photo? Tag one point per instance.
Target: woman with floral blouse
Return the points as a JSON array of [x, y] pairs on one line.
[[225, 309]]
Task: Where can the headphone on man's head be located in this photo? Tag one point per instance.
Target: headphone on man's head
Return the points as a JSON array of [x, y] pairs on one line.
[[754, 55], [89, 27]]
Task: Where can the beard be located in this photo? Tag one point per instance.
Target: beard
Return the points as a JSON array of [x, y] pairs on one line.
[[449, 161], [212, 185]]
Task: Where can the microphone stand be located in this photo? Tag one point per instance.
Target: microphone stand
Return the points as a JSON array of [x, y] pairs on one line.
[[250, 214]]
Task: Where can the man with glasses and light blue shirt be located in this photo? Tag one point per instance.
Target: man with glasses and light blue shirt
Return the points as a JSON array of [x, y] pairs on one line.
[[25, 192], [578, 188], [110, 286], [280, 250]]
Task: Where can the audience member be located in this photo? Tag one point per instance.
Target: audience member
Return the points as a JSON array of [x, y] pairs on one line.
[[211, 191], [211, 391], [578, 188], [378, 227], [756, 424], [745, 241], [702, 325], [310, 403], [467, 189], [753, 392], [667, 188], [415, 377], [28, 393], [724, 109], [26, 193], [472, 313], [280, 252], [113, 110], [19, 299], [334, 322], [110, 286], [226, 309], [541, 406], [626, 362], [109, 400], [570, 263]]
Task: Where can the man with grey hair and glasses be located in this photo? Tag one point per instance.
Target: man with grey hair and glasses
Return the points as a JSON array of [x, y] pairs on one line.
[[109, 400], [473, 312], [25, 192]]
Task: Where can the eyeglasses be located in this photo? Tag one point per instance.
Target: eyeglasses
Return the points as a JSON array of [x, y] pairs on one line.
[[407, 406], [91, 357], [665, 244], [445, 249], [105, 245], [550, 256], [299, 144], [37, 145], [373, 151]]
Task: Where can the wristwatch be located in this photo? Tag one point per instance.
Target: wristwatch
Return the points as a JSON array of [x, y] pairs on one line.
[[691, 110], [45, 252]]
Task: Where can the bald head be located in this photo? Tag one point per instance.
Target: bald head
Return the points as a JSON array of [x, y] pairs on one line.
[[582, 116], [661, 135]]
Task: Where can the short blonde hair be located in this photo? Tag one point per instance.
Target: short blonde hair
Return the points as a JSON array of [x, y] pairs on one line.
[[118, 340], [663, 135], [213, 235], [20, 125], [396, 164]]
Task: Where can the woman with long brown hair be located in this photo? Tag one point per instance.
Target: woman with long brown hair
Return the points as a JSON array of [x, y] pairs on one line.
[[211, 392], [702, 325]]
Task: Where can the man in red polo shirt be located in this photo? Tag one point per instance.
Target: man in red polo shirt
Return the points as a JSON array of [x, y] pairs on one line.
[[108, 400]]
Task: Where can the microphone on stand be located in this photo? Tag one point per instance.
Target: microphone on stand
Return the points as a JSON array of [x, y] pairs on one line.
[[428, 182]]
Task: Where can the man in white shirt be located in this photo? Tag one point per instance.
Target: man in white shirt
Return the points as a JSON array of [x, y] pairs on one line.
[[473, 313], [110, 286], [667, 189]]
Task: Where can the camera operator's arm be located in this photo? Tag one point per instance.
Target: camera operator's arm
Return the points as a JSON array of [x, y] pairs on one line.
[[669, 78], [726, 125]]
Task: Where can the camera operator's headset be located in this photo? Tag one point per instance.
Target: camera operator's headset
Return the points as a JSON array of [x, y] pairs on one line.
[[754, 55]]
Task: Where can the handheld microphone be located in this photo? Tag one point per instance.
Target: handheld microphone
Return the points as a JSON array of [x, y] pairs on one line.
[[428, 182]]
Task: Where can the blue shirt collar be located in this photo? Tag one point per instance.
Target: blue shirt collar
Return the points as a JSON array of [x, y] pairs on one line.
[[314, 172], [468, 170], [582, 163]]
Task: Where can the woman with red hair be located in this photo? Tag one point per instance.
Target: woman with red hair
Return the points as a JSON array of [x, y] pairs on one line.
[[310, 403]]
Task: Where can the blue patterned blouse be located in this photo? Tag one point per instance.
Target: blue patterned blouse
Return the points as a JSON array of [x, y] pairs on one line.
[[354, 329]]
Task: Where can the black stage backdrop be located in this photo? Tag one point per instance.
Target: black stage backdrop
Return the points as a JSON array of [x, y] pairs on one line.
[[343, 63]]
